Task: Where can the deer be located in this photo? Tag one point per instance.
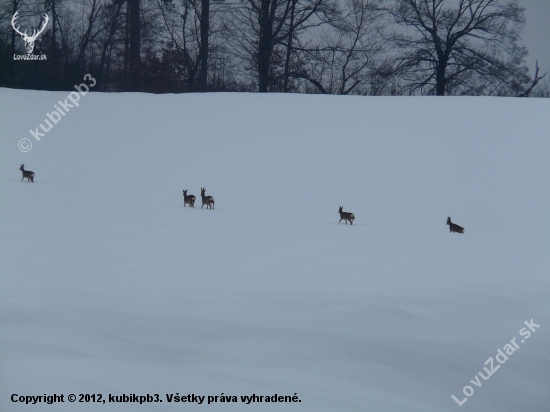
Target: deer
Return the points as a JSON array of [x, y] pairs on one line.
[[29, 40], [454, 227], [27, 174], [346, 216], [207, 200], [188, 200]]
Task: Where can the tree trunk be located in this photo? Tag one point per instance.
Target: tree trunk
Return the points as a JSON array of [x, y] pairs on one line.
[[289, 47], [264, 46], [15, 5], [103, 76], [536, 80], [203, 53], [125, 80], [440, 79], [54, 29], [135, 45]]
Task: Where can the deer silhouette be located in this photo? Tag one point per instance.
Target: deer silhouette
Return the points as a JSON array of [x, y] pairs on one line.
[[348, 217], [454, 227], [188, 200], [207, 200], [27, 174]]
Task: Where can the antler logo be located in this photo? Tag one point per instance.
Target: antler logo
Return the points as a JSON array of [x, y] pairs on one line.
[[29, 40]]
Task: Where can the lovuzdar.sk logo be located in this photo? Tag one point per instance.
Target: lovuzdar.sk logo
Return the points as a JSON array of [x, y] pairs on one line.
[[30, 39]]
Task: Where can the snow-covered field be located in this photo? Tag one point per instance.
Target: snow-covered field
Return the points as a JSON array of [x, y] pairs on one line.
[[108, 285]]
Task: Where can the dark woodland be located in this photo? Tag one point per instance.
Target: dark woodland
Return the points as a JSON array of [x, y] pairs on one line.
[[359, 47]]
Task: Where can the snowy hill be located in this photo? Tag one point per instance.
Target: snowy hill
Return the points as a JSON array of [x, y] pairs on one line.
[[108, 285]]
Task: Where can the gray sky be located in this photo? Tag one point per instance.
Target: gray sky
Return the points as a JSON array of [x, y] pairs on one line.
[[537, 33]]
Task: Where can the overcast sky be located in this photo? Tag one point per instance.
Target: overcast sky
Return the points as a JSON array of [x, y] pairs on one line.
[[537, 33]]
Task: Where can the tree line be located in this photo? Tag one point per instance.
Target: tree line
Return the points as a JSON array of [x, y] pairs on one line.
[[360, 47]]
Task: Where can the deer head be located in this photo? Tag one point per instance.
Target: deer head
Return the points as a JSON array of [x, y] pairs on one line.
[[29, 40]]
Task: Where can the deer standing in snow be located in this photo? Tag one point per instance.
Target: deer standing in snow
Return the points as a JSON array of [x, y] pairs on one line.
[[188, 200], [207, 200], [346, 216], [27, 174]]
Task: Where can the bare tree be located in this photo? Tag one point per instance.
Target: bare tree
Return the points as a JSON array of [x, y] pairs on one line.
[[313, 46], [347, 51], [135, 44], [92, 8], [203, 50], [542, 88], [53, 6], [14, 7], [263, 32], [185, 27], [446, 44], [112, 20], [536, 80]]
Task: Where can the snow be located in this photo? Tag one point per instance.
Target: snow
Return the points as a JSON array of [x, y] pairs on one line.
[[109, 285]]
